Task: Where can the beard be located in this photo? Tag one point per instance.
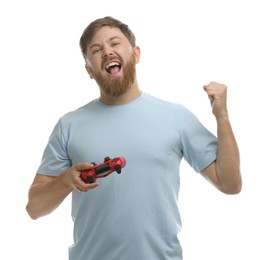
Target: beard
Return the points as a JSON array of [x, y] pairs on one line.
[[115, 87]]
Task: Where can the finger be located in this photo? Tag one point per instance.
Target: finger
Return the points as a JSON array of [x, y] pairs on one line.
[[208, 88], [89, 186], [209, 84], [83, 166], [86, 187], [78, 189], [210, 92]]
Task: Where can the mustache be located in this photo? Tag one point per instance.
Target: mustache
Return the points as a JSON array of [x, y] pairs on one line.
[[111, 57], [107, 58]]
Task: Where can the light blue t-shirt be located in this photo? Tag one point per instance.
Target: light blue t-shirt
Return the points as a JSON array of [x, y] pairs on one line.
[[134, 215]]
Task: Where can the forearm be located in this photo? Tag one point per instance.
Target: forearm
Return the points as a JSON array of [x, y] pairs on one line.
[[228, 161], [45, 197]]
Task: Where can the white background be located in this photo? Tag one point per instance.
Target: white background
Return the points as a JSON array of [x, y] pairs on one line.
[[184, 45]]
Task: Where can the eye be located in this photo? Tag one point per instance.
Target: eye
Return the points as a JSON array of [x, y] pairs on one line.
[[115, 43], [96, 50]]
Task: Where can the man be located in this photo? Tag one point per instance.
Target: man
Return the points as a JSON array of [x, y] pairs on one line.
[[133, 215]]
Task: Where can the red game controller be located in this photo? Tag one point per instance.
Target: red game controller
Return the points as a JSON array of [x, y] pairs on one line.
[[104, 169]]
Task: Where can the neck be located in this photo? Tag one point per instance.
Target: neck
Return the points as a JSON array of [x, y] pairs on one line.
[[132, 93]]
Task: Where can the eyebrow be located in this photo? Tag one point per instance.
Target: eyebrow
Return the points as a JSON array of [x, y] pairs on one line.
[[109, 40]]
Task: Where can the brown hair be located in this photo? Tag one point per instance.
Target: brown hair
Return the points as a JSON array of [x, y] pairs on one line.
[[94, 26]]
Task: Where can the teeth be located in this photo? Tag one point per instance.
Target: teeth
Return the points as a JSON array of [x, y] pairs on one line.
[[112, 64]]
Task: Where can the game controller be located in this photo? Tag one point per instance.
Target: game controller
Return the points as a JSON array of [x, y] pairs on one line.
[[104, 169]]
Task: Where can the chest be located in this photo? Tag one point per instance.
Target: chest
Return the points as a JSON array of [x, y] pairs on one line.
[[134, 135]]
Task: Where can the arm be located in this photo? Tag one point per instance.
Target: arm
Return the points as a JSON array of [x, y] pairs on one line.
[[47, 192], [224, 173]]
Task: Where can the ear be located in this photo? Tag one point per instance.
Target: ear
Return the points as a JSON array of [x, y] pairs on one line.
[[137, 53]]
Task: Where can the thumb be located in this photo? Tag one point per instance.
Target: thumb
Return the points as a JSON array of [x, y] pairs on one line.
[[83, 166]]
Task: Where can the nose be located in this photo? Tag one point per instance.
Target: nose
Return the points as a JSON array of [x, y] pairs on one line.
[[107, 52]]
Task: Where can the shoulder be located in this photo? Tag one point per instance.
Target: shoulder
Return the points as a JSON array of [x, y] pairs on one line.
[[79, 113], [176, 109]]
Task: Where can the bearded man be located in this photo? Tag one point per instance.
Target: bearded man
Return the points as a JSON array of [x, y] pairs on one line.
[[134, 215]]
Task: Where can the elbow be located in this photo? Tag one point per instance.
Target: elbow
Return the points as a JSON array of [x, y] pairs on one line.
[[233, 189], [36, 212], [237, 189], [31, 212]]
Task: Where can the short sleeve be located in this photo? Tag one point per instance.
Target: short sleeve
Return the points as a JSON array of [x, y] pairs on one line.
[[55, 158], [199, 145]]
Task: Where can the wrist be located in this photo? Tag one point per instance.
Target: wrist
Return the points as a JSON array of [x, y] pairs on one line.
[[65, 180], [222, 118]]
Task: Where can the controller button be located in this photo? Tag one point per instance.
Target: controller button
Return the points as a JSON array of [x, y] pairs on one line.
[[117, 168], [90, 179]]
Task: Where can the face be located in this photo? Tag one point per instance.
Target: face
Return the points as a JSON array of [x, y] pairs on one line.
[[111, 61]]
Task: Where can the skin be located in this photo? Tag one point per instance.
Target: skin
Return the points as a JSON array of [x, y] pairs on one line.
[[46, 192], [111, 42]]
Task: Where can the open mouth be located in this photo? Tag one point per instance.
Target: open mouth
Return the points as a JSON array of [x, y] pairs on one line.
[[113, 68]]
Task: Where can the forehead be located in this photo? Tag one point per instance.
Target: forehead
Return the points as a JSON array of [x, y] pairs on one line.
[[105, 34]]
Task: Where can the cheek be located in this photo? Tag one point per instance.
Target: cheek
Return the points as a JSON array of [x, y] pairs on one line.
[[94, 61], [89, 71], [94, 65]]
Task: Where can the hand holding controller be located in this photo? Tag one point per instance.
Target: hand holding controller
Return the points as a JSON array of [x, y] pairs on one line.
[[104, 169]]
